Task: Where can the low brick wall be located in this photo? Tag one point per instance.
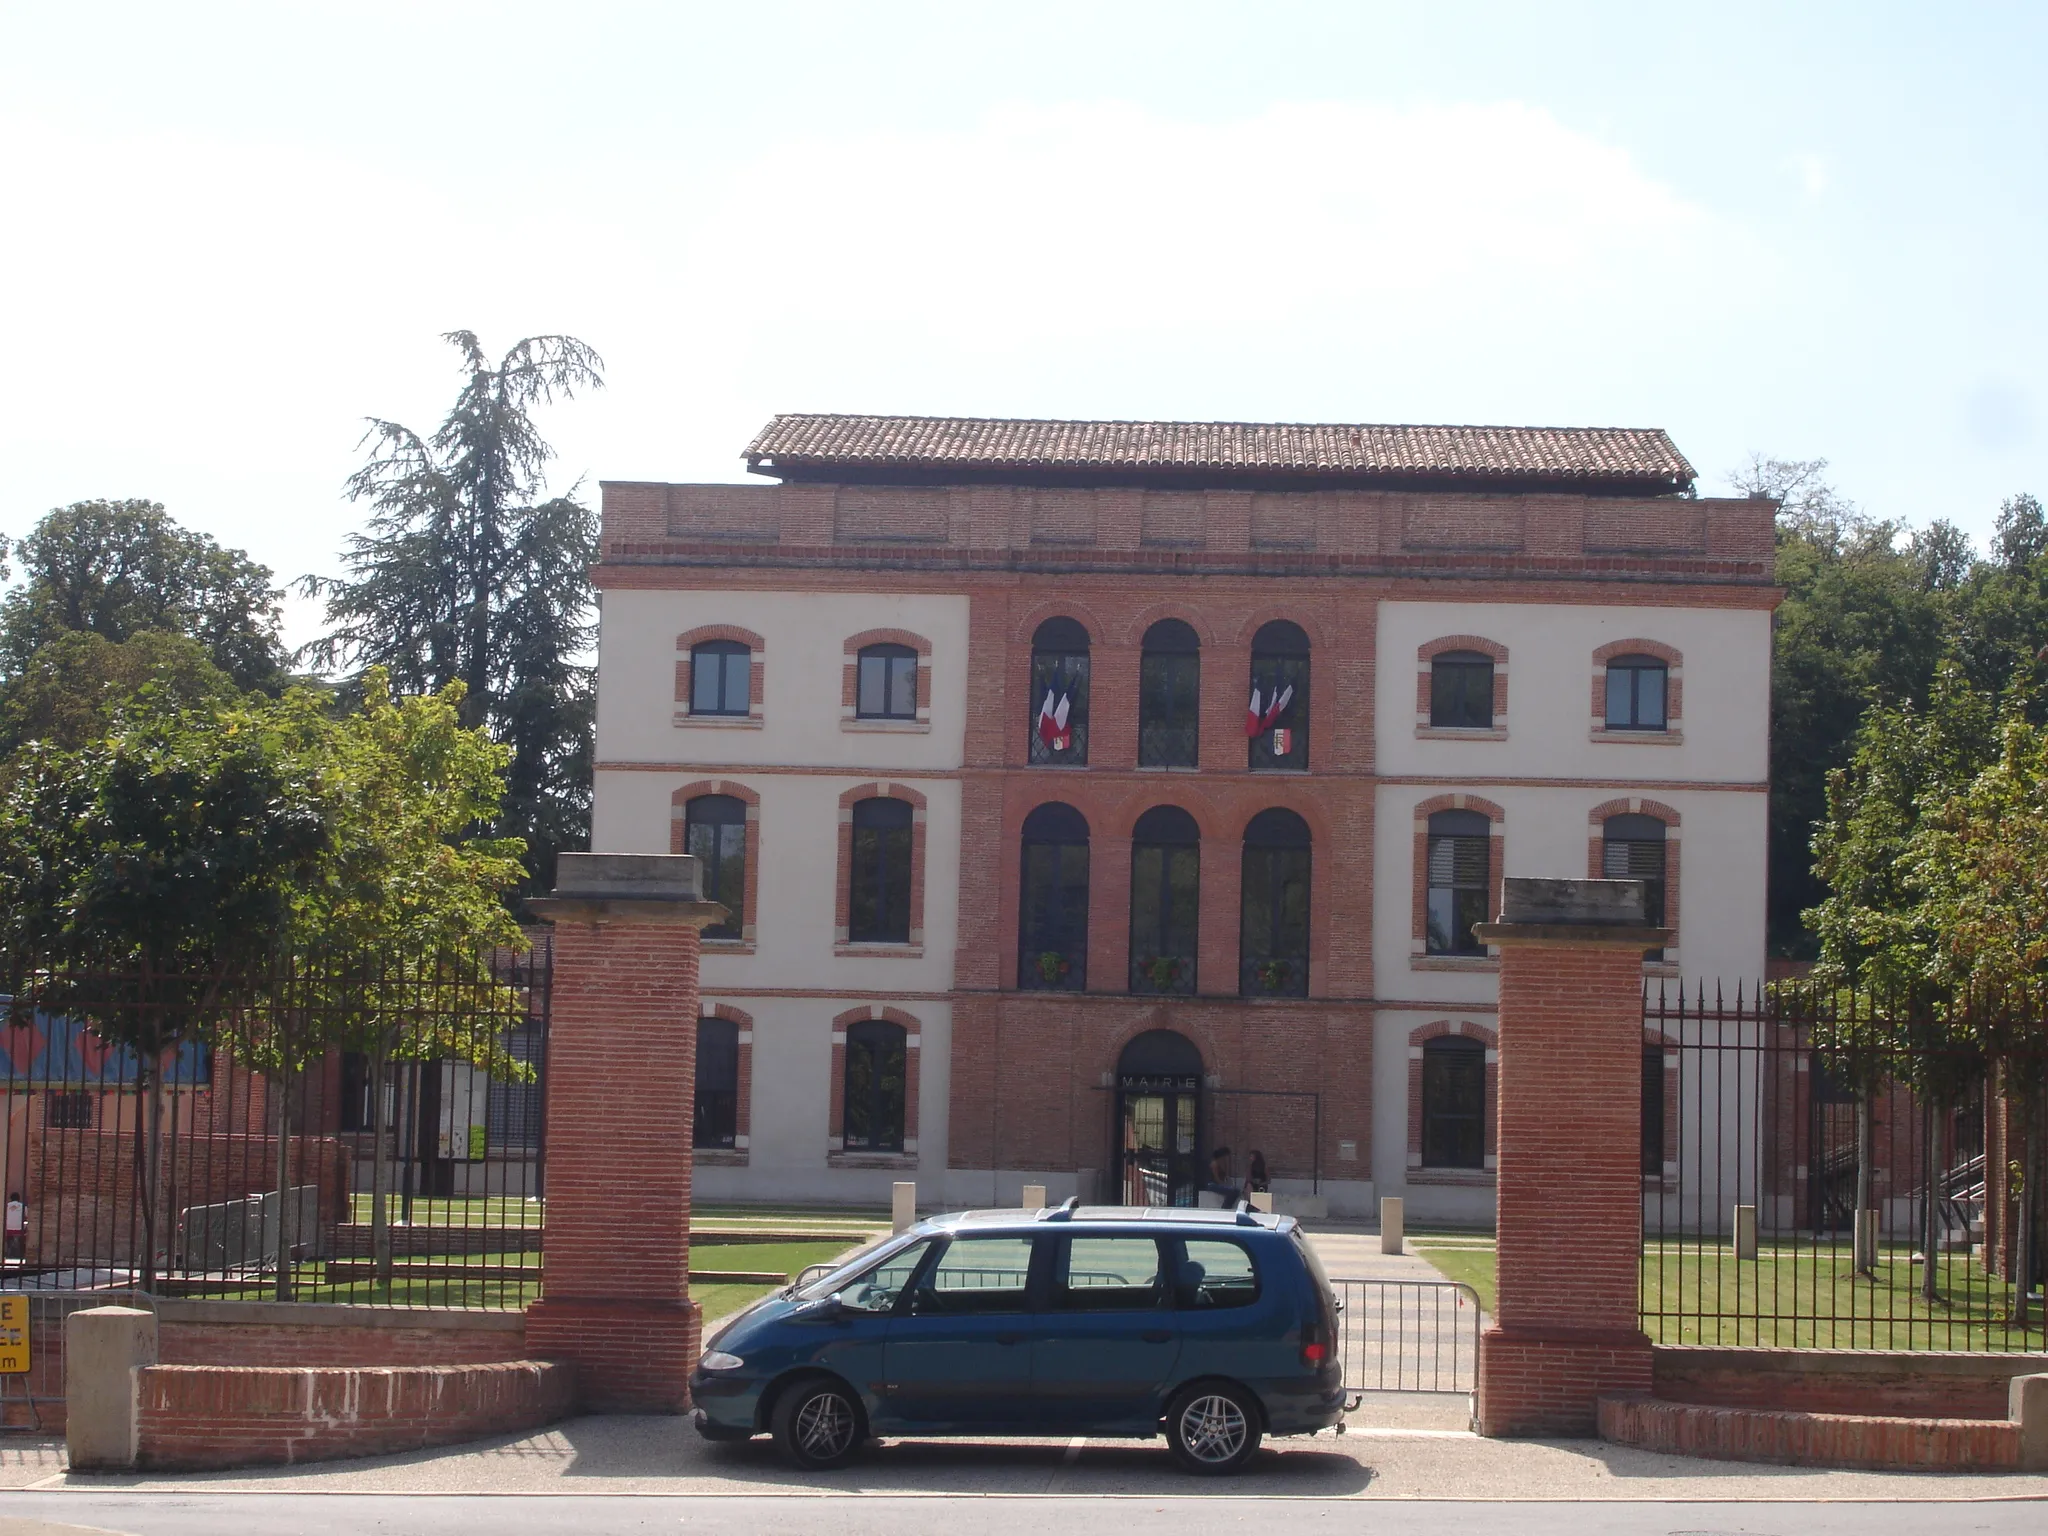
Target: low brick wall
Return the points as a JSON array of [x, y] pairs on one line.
[[198, 1417], [1886, 1443], [1929, 1384]]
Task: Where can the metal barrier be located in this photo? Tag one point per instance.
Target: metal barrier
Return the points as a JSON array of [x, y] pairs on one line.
[[1407, 1335]]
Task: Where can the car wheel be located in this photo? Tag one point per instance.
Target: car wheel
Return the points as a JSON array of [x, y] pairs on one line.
[[818, 1424], [1213, 1428]]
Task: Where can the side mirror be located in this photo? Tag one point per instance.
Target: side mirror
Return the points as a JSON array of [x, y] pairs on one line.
[[824, 1310]]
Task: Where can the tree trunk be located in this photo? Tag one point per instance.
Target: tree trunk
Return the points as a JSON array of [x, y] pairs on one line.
[[1930, 1225], [380, 1167], [1865, 1260], [284, 1185]]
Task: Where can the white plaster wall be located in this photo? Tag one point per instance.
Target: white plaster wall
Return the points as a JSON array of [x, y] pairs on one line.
[[804, 635], [791, 1107], [1725, 701], [798, 875], [1721, 874]]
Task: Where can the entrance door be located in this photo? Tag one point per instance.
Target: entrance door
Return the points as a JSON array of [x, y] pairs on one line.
[[961, 1354], [1160, 1163]]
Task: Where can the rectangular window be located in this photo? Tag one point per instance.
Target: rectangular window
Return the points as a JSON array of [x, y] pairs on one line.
[[1635, 695], [977, 1275], [1653, 1111], [67, 1111], [1169, 696], [886, 683], [878, 902], [1454, 1104], [1644, 861], [1458, 879], [715, 1122], [1461, 693], [1108, 1274], [1215, 1273], [721, 678]]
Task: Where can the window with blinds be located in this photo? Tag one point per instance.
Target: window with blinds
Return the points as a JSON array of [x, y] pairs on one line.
[[1633, 849], [1460, 858]]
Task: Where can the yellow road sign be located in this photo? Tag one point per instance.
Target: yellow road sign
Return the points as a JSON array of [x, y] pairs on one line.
[[13, 1335]]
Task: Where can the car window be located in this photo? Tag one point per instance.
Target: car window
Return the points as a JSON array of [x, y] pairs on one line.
[[1108, 1274], [877, 1290], [1216, 1273], [977, 1274]]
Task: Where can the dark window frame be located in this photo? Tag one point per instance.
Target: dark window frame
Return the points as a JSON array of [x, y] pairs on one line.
[[1454, 1133], [1052, 927], [881, 869], [1279, 853], [1280, 658], [1059, 663], [1170, 696], [876, 1043], [735, 668], [1653, 1111], [899, 684], [715, 831], [1166, 846], [715, 1112], [1456, 841], [1461, 691], [1638, 669]]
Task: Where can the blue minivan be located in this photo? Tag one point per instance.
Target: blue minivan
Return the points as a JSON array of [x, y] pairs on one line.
[[1217, 1326]]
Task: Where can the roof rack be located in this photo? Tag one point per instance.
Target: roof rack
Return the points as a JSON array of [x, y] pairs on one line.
[[1064, 1211]]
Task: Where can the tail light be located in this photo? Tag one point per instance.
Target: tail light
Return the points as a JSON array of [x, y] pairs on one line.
[[1315, 1345]]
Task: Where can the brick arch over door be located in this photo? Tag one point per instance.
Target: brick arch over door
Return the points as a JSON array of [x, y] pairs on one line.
[[758, 680], [1596, 824], [913, 1053], [849, 686], [679, 805], [1425, 661], [1417, 1039], [1418, 941], [1674, 687], [1193, 1030], [842, 898], [743, 1118]]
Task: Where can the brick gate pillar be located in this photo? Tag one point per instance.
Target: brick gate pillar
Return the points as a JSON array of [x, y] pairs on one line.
[[1566, 1329], [621, 1083]]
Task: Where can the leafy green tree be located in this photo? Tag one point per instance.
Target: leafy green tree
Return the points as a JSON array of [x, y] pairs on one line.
[[407, 910], [121, 569], [144, 878], [72, 689], [470, 573]]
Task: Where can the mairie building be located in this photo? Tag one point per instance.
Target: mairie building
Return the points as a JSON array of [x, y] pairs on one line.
[[1087, 796]]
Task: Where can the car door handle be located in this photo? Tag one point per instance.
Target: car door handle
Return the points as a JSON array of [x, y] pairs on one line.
[[1156, 1336], [1009, 1338]]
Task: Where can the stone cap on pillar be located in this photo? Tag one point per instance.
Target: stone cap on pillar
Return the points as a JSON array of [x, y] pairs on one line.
[[628, 888], [1534, 911]]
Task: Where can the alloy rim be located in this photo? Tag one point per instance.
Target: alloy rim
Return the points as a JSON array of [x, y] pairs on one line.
[[824, 1425], [1213, 1428]]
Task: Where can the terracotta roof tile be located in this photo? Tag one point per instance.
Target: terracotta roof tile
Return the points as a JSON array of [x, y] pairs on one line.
[[1607, 457]]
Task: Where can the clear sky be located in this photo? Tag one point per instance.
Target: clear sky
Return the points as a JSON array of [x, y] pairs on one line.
[[230, 233]]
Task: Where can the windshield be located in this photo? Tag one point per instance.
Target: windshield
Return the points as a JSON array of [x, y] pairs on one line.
[[837, 1279]]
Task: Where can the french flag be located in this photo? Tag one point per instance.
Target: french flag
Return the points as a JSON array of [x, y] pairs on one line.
[[1257, 720], [1052, 722]]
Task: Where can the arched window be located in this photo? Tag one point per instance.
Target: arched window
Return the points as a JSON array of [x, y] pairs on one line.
[[1052, 912], [715, 831], [1460, 857], [886, 683], [721, 678], [1633, 848], [878, 904], [1461, 691], [1453, 1103], [1166, 889], [1273, 920], [875, 1079], [1169, 696], [1059, 694], [716, 1120], [1653, 1111], [1276, 718], [1636, 691]]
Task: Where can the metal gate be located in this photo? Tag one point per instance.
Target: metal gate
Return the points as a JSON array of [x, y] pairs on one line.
[[1407, 1335]]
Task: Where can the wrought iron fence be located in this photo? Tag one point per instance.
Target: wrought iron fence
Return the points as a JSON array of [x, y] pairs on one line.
[[248, 1161], [1407, 1335], [1830, 1169]]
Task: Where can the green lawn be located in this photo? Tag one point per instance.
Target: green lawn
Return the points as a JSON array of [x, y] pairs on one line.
[[1795, 1295]]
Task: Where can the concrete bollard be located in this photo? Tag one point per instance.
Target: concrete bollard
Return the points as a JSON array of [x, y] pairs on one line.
[[1866, 1239], [1034, 1197], [102, 1348], [2028, 1408], [1745, 1232], [903, 1204], [1392, 1223], [1261, 1199]]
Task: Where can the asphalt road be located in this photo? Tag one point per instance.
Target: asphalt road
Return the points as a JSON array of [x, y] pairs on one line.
[[302, 1514]]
